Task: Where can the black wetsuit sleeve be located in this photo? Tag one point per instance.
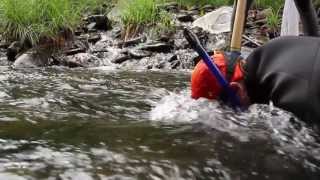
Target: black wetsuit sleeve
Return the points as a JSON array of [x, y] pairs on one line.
[[251, 79], [286, 71], [308, 17]]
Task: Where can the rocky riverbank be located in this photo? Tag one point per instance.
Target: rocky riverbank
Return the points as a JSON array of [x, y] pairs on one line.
[[98, 42]]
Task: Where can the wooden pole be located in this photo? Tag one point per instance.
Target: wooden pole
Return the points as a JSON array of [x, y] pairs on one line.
[[238, 25]]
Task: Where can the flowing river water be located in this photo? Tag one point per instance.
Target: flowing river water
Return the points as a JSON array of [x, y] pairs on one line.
[[108, 124]]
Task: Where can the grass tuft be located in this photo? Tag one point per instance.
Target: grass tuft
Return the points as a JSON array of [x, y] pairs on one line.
[[40, 21], [137, 14]]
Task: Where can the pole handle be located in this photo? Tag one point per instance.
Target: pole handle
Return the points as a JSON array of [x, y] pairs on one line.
[[238, 25]]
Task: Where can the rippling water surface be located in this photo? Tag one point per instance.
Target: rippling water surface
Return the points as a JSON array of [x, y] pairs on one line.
[[107, 124]]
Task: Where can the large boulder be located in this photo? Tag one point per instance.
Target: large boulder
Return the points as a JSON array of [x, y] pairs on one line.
[[32, 59], [216, 22]]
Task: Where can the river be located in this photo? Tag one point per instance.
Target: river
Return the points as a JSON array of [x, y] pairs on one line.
[[110, 124]]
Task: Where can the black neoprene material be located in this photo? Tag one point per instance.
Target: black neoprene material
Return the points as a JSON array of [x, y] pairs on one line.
[[308, 17], [286, 71]]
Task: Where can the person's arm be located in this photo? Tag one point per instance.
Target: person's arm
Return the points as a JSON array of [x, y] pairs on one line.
[[308, 17]]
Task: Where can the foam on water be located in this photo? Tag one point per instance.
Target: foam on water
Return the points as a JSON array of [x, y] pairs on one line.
[[265, 122]]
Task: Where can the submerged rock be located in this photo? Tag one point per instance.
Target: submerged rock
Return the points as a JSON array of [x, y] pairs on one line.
[[133, 42], [138, 54], [120, 59], [185, 18], [79, 60]]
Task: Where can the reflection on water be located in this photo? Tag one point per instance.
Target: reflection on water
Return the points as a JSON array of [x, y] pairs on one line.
[[107, 124]]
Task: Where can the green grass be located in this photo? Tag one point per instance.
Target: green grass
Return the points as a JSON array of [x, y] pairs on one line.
[[138, 14], [273, 20], [32, 21], [274, 4], [217, 3]]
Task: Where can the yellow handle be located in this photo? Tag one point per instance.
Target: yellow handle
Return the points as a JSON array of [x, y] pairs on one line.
[[238, 25]]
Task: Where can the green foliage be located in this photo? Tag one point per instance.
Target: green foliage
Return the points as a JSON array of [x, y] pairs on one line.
[[136, 14], [31, 20], [274, 4], [273, 20], [217, 3]]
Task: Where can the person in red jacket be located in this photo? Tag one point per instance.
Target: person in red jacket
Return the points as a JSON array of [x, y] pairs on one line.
[[285, 71]]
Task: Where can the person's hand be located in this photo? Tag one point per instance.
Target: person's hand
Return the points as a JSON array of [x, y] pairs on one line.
[[241, 92]]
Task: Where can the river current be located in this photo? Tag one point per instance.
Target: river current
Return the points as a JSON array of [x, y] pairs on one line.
[[111, 124]]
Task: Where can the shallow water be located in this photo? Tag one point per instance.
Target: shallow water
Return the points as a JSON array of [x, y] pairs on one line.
[[110, 124]]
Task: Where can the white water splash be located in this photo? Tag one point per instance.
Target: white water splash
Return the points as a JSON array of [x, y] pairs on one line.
[[264, 122], [176, 108]]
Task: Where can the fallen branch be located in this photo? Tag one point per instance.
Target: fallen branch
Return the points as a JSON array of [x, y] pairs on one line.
[[251, 40]]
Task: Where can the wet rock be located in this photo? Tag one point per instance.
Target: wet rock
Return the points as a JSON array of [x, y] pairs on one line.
[[167, 38], [161, 65], [175, 64], [215, 22], [173, 58], [122, 58], [4, 45], [197, 58], [78, 32], [185, 18], [94, 38], [32, 59], [74, 51], [171, 7], [79, 60], [99, 22], [81, 43], [208, 8], [13, 50], [185, 58], [157, 47], [91, 27], [132, 42], [78, 46], [138, 54]]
